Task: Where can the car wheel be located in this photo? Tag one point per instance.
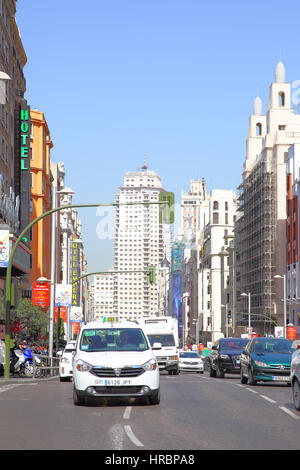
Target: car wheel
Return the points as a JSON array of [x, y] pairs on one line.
[[244, 379], [154, 399], [220, 372], [212, 372], [296, 394], [251, 380], [78, 401]]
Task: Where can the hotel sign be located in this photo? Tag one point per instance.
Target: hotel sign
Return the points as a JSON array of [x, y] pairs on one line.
[[25, 138], [75, 274]]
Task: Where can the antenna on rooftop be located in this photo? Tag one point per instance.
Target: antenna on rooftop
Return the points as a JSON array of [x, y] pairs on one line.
[[145, 165]]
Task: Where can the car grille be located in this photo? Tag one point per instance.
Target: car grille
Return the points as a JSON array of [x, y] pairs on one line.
[[117, 372], [279, 366], [119, 390]]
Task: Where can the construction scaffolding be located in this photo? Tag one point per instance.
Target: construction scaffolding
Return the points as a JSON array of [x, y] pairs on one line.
[[255, 233]]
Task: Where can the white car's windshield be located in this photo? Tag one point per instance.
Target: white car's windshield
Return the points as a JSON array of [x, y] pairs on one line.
[[113, 339], [165, 339]]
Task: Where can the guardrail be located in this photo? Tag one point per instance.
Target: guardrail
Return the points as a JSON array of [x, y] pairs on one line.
[[45, 366]]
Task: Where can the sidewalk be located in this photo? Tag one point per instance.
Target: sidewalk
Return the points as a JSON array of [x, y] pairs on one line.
[[25, 380]]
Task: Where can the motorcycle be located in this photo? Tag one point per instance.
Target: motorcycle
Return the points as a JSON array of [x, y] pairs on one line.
[[28, 364], [17, 362]]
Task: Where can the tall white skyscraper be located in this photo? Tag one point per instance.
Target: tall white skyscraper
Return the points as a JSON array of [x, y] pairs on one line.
[[140, 241]]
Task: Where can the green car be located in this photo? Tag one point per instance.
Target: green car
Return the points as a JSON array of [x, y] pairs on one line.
[[266, 359]]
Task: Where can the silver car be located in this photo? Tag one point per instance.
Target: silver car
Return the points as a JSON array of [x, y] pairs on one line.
[[295, 376], [190, 361]]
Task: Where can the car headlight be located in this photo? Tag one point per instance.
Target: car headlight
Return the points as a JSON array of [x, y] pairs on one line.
[[83, 366], [173, 358], [150, 365], [224, 356], [64, 360], [260, 364]]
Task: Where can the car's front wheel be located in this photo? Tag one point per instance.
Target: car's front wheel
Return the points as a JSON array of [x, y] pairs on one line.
[[251, 380], [154, 399], [296, 394], [212, 372], [77, 399]]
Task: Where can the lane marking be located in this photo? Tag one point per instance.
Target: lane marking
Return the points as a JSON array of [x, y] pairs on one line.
[[116, 434], [250, 390], [289, 412], [5, 388], [127, 412], [268, 399], [132, 437]]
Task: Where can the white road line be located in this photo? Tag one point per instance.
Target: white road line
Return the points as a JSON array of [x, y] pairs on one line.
[[127, 412], [5, 388], [289, 412], [268, 399], [132, 437], [250, 390]]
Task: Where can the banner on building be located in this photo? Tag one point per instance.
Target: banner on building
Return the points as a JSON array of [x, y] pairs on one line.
[[62, 313], [75, 274], [76, 314], [41, 294], [63, 295], [4, 248]]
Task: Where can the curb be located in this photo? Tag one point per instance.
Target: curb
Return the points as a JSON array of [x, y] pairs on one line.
[[20, 380]]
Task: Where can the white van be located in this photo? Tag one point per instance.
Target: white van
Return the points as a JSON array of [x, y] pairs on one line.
[[114, 360]]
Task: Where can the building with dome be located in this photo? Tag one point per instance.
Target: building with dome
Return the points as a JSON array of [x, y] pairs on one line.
[[260, 232]]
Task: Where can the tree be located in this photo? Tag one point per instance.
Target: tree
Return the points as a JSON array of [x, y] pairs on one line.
[[33, 320]]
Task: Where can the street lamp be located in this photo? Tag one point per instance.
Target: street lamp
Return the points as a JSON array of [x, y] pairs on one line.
[[226, 318], [277, 276], [249, 311]]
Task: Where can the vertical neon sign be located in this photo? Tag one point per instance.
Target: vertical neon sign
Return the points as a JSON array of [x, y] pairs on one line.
[[24, 119]]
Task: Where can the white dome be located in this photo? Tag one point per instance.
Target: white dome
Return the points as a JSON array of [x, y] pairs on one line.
[[280, 73], [257, 106]]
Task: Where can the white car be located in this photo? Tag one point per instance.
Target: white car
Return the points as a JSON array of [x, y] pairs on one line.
[[114, 360], [65, 363], [190, 361]]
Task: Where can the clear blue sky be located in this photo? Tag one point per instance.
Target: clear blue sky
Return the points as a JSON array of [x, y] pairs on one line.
[[174, 79]]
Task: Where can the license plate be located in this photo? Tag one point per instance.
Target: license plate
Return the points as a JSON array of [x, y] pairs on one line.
[[282, 378], [113, 382]]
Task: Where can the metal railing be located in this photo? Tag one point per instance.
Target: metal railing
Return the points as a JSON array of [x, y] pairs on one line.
[[45, 366]]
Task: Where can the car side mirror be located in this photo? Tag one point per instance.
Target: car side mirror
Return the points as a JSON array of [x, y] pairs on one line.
[[156, 346]]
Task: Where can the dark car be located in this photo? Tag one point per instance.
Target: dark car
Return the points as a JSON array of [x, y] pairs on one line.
[[266, 359], [225, 356]]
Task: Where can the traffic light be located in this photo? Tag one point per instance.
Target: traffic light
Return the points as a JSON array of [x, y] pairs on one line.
[[151, 274], [229, 315], [167, 210]]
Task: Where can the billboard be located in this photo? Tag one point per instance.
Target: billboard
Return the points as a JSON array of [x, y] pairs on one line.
[[41, 294], [177, 300]]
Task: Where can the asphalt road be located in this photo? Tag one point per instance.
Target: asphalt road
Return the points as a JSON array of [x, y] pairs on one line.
[[196, 413]]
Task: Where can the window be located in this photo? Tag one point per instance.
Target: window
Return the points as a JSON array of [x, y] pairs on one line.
[[216, 205], [258, 128], [215, 218], [281, 99]]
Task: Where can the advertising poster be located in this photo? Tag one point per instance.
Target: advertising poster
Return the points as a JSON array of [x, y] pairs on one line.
[[41, 294], [63, 295], [4, 248], [177, 300], [76, 314]]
